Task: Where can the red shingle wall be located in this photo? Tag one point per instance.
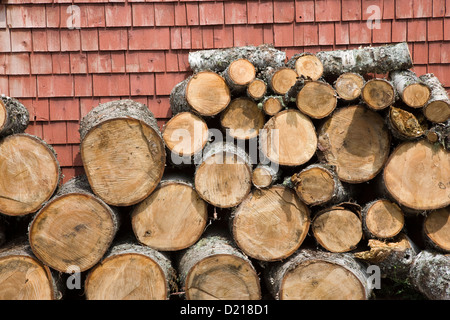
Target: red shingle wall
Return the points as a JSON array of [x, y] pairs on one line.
[[139, 49]]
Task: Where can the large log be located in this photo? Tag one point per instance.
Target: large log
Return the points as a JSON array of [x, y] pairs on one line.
[[74, 228], [242, 119], [14, 116], [123, 151], [436, 230], [131, 271], [223, 176], [379, 60], [173, 217], [356, 141], [411, 89], [30, 174], [417, 175], [214, 268], [218, 60], [382, 219], [437, 108], [307, 66], [317, 275], [205, 93], [288, 138], [24, 277], [270, 224]]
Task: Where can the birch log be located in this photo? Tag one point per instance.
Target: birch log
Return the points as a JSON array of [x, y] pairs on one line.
[[349, 86], [307, 66], [14, 116], [437, 108], [411, 89], [436, 230], [382, 219], [378, 94]]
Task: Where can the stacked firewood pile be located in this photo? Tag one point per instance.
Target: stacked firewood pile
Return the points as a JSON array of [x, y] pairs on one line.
[[303, 178]]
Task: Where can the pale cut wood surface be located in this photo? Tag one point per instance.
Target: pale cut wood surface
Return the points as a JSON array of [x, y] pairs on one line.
[[256, 89], [437, 228], [316, 99], [378, 94], [383, 219], [349, 86]]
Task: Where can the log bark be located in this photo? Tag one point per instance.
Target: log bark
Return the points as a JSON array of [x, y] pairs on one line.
[[215, 269], [288, 138], [173, 217], [307, 66], [256, 89], [318, 184], [405, 125], [30, 174], [317, 99], [356, 141], [382, 219], [393, 257], [185, 134], [411, 89], [317, 275], [14, 116], [378, 94], [429, 274], [130, 271], [270, 224], [123, 151], [437, 108], [338, 228], [349, 86], [439, 133], [264, 175], [417, 175], [272, 105], [242, 119], [379, 60], [238, 75], [74, 228], [436, 230], [223, 176], [218, 59], [24, 277], [279, 80]]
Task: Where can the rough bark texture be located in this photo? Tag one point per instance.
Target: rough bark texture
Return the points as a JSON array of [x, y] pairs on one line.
[[437, 109], [238, 75], [430, 274], [365, 60], [257, 89], [218, 59], [14, 116], [350, 281], [405, 125], [440, 134], [411, 89]]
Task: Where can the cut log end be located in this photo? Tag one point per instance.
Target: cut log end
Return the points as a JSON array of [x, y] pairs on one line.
[[437, 229], [378, 94], [383, 219], [437, 111], [172, 218], [272, 105], [256, 89], [30, 174], [314, 186], [416, 95], [3, 115], [349, 86], [185, 134], [270, 224], [282, 80], [263, 176], [316, 99], [309, 67], [241, 72], [242, 119]]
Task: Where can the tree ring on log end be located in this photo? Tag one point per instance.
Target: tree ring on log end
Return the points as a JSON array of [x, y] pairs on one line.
[[282, 80], [309, 66], [416, 95], [316, 99], [241, 72], [3, 115], [314, 186], [437, 228], [384, 219], [378, 94]]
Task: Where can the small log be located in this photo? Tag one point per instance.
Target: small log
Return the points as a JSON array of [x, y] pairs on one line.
[[123, 151], [214, 268], [185, 134], [173, 217], [130, 271], [429, 274], [288, 138], [272, 105], [256, 89], [270, 224], [317, 99], [318, 184], [393, 257], [24, 277], [205, 93], [356, 141], [264, 176], [307, 66], [405, 125], [217, 60], [437, 108], [14, 116], [74, 228], [436, 230], [417, 175], [223, 176], [317, 275], [411, 89], [279, 80], [349, 86], [242, 119], [30, 174], [239, 74], [439, 133], [338, 228], [378, 94], [379, 60], [382, 219]]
